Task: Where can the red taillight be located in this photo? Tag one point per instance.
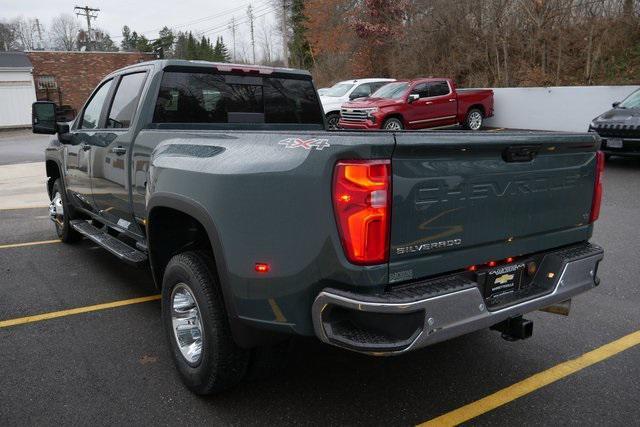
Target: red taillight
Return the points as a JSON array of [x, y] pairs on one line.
[[597, 188], [361, 202], [262, 267]]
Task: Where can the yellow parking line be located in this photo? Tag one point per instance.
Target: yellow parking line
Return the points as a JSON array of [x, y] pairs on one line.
[[535, 382], [19, 208], [79, 310], [20, 245]]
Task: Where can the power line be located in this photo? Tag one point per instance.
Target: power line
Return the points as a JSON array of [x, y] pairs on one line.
[[203, 19], [267, 10]]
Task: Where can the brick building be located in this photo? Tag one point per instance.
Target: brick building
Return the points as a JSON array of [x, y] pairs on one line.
[[68, 78]]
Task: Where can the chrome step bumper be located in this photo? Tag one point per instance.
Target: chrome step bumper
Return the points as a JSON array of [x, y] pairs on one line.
[[395, 322]]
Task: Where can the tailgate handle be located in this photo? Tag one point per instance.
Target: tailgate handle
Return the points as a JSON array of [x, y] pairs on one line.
[[520, 153]]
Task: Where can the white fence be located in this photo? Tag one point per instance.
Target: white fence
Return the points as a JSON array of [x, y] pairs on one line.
[[553, 108]]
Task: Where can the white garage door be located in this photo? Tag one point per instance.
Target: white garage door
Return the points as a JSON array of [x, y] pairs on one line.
[[17, 93]]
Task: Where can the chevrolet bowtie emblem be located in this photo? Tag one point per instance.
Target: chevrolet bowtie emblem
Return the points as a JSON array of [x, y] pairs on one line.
[[505, 278]]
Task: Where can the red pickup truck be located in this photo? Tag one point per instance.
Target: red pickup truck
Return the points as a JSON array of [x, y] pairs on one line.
[[418, 104]]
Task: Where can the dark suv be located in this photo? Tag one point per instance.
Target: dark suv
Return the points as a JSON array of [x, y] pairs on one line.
[[620, 127]]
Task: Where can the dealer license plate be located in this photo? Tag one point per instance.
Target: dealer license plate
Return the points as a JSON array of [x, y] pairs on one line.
[[614, 143], [504, 279]]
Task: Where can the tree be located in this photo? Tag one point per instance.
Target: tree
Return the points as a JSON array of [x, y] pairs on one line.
[[27, 33], [164, 41], [220, 51], [126, 44], [104, 43], [132, 42], [63, 32], [7, 36], [299, 48]]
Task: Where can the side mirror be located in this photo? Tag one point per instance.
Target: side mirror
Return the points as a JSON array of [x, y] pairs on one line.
[[43, 117], [615, 104], [413, 97]]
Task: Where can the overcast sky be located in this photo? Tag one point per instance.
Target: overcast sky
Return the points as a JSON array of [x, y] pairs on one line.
[[210, 17]]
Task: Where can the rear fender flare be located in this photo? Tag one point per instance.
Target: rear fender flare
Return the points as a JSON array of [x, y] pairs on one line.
[[194, 209]]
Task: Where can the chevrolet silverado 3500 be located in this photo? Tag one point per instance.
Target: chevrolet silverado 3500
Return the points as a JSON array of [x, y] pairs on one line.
[[258, 224]]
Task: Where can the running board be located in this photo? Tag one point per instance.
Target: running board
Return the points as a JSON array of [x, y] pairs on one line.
[[110, 243]]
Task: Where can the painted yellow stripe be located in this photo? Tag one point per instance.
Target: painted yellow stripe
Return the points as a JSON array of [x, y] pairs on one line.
[[535, 382], [20, 208], [21, 245], [73, 311]]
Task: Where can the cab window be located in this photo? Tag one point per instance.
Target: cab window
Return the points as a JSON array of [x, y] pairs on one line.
[[91, 114], [439, 88], [125, 101], [361, 91], [421, 89]]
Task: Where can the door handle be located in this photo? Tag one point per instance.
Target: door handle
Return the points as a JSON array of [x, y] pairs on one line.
[[428, 103], [451, 100], [85, 147], [119, 151]]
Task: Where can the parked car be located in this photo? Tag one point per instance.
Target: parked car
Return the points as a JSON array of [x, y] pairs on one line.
[[258, 224], [620, 127], [418, 104], [347, 90], [323, 90]]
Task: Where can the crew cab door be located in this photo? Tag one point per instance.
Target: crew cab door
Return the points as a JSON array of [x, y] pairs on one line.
[[418, 109], [436, 105], [444, 107], [111, 159], [79, 150]]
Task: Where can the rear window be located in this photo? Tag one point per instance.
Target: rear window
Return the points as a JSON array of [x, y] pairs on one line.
[[187, 97]]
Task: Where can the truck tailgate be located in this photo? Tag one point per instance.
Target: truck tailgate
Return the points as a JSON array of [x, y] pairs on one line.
[[467, 198]]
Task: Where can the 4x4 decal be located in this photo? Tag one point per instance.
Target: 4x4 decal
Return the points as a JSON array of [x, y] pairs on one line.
[[307, 144]]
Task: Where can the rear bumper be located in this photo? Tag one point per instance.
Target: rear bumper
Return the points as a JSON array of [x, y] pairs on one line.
[[437, 310]]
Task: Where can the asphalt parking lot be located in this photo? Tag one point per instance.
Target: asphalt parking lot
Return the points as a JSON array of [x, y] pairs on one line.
[[109, 364]]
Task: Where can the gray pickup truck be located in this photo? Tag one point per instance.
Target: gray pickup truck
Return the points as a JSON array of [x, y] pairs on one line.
[[258, 224]]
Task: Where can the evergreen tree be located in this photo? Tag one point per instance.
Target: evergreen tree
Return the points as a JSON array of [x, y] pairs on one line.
[[220, 51], [180, 48], [164, 41], [192, 47], [126, 44], [105, 44], [299, 48]]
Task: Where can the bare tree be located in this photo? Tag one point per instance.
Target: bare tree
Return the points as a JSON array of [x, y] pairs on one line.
[[63, 32], [265, 36], [26, 32], [7, 36]]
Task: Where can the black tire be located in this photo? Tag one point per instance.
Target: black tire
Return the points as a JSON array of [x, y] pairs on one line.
[[474, 119], [222, 364], [332, 121], [62, 222], [393, 124]]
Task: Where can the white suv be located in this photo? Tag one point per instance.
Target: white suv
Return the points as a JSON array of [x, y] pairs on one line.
[[333, 98]]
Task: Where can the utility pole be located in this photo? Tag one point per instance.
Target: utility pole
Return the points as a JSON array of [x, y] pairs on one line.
[[87, 12], [253, 39], [232, 27], [285, 34]]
